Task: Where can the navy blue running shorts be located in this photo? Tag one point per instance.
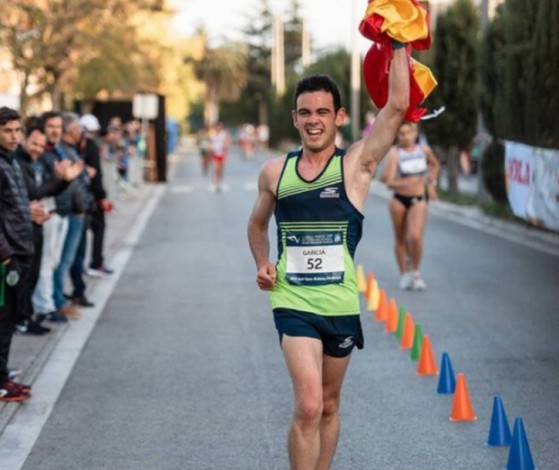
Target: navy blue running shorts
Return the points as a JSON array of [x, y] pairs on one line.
[[339, 335]]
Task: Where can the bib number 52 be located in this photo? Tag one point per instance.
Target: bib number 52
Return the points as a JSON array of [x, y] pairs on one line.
[[314, 264]]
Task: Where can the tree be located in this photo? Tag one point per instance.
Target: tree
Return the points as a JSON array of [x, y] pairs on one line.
[[52, 43], [543, 76], [518, 28], [255, 98], [519, 96], [492, 58], [222, 69], [335, 63], [455, 67], [293, 38]]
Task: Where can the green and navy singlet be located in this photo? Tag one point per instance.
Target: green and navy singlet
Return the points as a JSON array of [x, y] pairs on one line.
[[318, 231]]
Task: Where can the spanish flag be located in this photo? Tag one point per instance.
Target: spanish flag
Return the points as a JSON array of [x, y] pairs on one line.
[[404, 21]]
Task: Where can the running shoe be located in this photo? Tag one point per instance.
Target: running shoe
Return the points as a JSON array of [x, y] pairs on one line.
[[418, 283], [406, 281], [11, 392]]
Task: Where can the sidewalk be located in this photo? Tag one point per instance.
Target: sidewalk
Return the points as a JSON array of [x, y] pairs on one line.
[[30, 353], [473, 216]]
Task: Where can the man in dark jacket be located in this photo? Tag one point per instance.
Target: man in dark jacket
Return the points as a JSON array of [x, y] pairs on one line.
[[28, 155], [16, 245], [89, 151]]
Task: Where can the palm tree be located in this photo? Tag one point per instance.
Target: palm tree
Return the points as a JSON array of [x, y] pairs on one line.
[[223, 69]]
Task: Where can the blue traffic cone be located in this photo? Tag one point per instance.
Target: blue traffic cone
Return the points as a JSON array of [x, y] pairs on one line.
[[447, 381], [499, 432], [520, 457]]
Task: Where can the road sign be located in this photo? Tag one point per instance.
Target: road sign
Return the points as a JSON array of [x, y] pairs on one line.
[[145, 106]]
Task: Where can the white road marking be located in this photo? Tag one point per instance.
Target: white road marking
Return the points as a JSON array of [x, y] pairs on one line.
[[20, 435]]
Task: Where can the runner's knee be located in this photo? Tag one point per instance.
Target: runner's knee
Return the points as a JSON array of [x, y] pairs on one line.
[[331, 406], [415, 237], [309, 410]]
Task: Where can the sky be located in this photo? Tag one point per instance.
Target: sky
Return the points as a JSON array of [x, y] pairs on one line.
[[329, 21]]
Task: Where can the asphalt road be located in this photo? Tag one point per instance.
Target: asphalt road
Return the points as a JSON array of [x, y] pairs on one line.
[[183, 370]]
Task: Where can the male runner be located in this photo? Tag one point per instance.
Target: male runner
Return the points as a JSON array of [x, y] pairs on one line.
[[220, 141], [318, 195]]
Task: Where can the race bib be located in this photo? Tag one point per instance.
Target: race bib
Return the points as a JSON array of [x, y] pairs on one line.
[[315, 258], [413, 166]]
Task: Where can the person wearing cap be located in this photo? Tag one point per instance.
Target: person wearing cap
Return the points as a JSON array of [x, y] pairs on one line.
[[88, 150]]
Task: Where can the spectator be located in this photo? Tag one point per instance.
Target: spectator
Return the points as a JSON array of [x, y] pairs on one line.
[[16, 246], [77, 200], [89, 151], [28, 155], [109, 153], [55, 229]]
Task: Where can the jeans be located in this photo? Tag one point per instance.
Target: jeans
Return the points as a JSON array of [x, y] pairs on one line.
[[76, 271], [54, 234], [71, 244]]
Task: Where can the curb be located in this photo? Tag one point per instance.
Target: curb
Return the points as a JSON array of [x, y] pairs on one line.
[[32, 371], [30, 374]]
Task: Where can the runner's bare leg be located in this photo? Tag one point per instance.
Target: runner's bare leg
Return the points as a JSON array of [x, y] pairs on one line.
[[333, 372], [303, 357]]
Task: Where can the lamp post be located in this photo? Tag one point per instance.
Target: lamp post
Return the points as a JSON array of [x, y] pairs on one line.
[[355, 74], [482, 194]]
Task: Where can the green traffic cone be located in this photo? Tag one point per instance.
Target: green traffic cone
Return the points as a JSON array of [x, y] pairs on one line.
[[417, 343], [401, 318]]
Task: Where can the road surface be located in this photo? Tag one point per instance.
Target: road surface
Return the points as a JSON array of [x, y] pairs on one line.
[[183, 370]]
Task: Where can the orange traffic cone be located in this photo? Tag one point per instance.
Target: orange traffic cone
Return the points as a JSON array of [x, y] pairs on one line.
[[392, 319], [374, 297], [462, 409], [360, 277], [408, 333], [370, 280], [426, 364], [382, 310]]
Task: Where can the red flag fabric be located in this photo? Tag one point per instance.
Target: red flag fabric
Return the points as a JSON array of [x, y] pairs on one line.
[[376, 71], [405, 21]]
